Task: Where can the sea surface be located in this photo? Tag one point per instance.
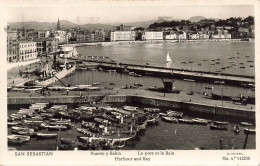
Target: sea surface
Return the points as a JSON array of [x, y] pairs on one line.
[[201, 56], [160, 136]]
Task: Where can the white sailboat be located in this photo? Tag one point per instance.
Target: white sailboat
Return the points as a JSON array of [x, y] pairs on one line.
[[168, 58]]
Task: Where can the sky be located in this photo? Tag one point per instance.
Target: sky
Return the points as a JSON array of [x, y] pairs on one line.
[[83, 13]]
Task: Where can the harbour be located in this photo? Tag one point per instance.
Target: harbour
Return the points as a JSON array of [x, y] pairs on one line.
[[109, 97]]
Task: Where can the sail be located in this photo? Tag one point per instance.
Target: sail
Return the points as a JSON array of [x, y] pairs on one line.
[[168, 58]]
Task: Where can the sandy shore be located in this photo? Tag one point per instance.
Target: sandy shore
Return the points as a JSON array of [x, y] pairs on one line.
[[152, 42]]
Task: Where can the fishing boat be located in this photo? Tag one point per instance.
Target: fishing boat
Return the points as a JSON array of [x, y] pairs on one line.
[[186, 121], [220, 123], [152, 110], [170, 119], [216, 127], [168, 58], [45, 135], [246, 124], [236, 128], [18, 137], [249, 131], [57, 127], [174, 114], [200, 121], [22, 130], [130, 108], [13, 123]]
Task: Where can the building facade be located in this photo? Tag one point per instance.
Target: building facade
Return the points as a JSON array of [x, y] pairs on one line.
[[152, 35], [51, 45], [122, 36], [12, 46], [27, 51], [40, 46]]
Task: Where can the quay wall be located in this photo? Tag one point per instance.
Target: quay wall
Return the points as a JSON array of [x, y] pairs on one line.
[[188, 107], [191, 107], [69, 99]]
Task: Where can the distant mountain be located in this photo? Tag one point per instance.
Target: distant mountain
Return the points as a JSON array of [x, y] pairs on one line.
[[196, 18], [68, 24], [52, 25]]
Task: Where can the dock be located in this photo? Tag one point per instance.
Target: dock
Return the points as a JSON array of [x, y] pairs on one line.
[[176, 73], [189, 107]]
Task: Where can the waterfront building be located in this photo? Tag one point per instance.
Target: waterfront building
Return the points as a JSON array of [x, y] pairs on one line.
[[152, 35], [122, 36], [12, 45], [27, 51], [40, 46], [182, 35], [194, 36], [51, 45], [171, 36], [61, 36], [43, 34]]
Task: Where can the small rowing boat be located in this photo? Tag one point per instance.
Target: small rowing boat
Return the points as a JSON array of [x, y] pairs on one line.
[[246, 124], [249, 131], [186, 121], [45, 135], [200, 121], [170, 119], [220, 123], [216, 127]]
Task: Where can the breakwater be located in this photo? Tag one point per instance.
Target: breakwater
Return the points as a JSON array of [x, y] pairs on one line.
[[199, 76], [189, 107], [108, 43]]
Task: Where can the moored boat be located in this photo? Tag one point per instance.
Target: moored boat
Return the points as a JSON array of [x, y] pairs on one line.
[[200, 121], [19, 137], [220, 123], [249, 131], [130, 108], [152, 110], [45, 135], [186, 121], [57, 127], [246, 124], [170, 119], [216, 127]]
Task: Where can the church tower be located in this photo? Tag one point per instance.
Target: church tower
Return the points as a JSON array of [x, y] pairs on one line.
[[58, 24]]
